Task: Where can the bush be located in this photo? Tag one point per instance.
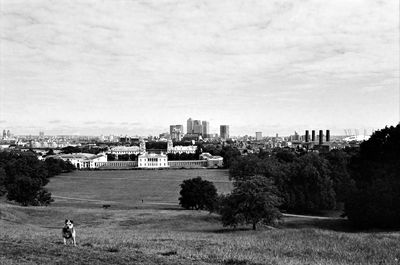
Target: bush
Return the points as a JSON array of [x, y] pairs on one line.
[[198, 194]]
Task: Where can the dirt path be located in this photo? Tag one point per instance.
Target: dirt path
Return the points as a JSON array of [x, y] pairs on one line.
[[313, 217], [80, 199]]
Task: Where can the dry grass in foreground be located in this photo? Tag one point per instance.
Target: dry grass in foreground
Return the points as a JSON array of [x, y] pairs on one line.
[[150, 236]]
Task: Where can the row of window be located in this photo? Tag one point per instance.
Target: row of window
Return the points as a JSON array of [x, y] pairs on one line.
[[152, 164]]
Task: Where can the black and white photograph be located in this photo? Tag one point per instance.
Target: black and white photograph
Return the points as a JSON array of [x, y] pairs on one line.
[[233, 132]]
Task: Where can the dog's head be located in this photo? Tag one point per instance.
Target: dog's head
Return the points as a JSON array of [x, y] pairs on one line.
[[69, 224]]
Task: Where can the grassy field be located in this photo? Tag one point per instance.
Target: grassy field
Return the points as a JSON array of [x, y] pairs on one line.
[[158, 232], [127, 188]]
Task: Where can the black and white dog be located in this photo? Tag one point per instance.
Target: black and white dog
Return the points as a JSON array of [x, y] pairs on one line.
[[68, 232]]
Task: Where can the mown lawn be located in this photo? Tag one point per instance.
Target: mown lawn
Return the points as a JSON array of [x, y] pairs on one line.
[[125, 189]]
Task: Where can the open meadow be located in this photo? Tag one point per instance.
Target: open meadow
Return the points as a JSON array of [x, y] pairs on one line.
[[157, 231]]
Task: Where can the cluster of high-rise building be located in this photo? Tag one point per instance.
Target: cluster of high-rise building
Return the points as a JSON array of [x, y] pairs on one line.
[[196, 128]]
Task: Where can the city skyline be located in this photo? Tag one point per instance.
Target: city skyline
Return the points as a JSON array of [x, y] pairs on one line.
[[127, 67]]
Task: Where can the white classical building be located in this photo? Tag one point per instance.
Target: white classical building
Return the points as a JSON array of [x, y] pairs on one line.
[[179, 149], [83, 160], [122, 150], [212, 161], [147, 160]]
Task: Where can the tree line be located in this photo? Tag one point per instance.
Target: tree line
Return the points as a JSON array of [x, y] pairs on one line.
[[366, 181], [23, 177]]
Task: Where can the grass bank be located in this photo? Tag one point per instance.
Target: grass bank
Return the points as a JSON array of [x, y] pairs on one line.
[[153, 236]]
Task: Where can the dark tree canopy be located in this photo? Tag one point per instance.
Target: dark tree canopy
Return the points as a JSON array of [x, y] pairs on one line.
[[375, 199], [23, 176], [198, 194], [304, 182], [2, 181], [229, 154], [310, 185], [252, 201]]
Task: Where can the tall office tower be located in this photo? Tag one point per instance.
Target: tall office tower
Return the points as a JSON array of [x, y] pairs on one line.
[[328, 136], [307, 136], [189, 127], [224, 131], [197, 127], [4, 134], [41, 134], [8, 134], [258, 136], [206, 129], [321, 137], [313, 136]]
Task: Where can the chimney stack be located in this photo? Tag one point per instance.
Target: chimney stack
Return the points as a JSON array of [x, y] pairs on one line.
[[328, 136], [321, 137], [307, 136], [313, 136]]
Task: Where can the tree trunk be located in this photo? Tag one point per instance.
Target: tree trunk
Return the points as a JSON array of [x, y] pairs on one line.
[[254, 226]]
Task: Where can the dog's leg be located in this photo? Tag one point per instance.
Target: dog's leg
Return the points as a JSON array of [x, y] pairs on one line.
[[65, 241], [74, 240]]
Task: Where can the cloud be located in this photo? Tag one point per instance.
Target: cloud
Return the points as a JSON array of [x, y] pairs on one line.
[[234, 61]]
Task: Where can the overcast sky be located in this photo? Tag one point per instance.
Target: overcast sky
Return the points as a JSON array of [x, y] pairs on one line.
[[135, 67]]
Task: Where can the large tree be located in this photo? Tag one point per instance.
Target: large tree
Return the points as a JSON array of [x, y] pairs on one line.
[[375, 199], [23, 177], [304, 182], [309, 186], [252, 201], [198, 194]]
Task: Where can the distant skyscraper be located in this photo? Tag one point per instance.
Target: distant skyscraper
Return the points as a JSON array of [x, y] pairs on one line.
[[197, 127], [41, 134], [8, 134], [189, 127], [176, 132], [258, 136], [296, 136], [4, 133], [224, 131], [206, 128]]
